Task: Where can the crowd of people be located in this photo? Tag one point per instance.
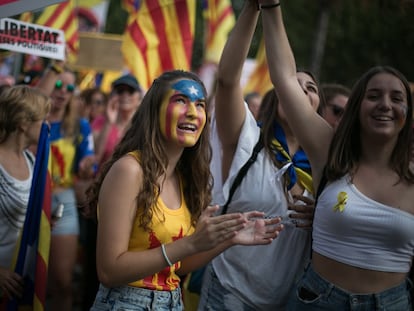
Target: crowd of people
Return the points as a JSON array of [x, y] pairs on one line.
[[297, 199]]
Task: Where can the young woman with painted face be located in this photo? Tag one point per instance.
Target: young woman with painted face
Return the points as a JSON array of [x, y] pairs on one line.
[[152, 197], [363, 230]]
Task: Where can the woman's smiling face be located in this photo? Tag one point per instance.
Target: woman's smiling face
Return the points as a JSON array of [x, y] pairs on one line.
[[384, 106], [182, 113]]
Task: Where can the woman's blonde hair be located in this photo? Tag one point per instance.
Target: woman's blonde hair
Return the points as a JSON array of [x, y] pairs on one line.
[[20, 104]]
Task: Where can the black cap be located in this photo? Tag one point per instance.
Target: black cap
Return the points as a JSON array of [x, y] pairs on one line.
[[128, 80]]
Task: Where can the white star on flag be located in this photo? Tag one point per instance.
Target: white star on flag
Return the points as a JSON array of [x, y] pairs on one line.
[[193, 90]]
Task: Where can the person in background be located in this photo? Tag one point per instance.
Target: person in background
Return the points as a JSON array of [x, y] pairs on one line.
[[336, 97], [278, 183], [363, 229], [22, 112], [94, 102], [151, 199], [72, 166], [124, 100], [253, 100], [108, 129]]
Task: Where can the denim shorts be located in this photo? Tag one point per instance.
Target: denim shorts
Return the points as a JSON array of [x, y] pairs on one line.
[[214, 297], [68, 224], [314, 293], [136, 299]]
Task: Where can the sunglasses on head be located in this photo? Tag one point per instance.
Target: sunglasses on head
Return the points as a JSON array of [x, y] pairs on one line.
[[69, 87], [336, 110]]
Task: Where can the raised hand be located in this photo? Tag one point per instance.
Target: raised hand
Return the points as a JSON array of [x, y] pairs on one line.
[[112, 108], [213, 230]]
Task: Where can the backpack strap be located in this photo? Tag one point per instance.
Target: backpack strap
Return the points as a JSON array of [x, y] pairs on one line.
[[242, 172]]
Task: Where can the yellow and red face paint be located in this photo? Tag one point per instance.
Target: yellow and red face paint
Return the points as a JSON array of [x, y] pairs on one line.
[[182, 113]]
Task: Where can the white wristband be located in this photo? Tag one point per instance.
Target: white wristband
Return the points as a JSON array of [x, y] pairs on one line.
[[164, 253]]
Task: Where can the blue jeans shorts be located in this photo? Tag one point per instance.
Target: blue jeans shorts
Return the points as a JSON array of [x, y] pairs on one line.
[[136, 299], [313, 293], [69, 223]]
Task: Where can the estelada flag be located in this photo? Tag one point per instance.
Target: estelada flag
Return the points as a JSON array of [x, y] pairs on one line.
[[259, 80], [220, 20], [63, 16], [158, 37], [33, 250]]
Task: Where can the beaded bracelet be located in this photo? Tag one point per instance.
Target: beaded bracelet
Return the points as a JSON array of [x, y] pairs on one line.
[[164, 253], [268, 6]]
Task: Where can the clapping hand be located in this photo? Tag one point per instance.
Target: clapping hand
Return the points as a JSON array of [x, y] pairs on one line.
[[258, 230], [249, 228]]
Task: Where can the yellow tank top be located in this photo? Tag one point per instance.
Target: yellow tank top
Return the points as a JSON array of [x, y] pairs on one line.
[[166, 226]]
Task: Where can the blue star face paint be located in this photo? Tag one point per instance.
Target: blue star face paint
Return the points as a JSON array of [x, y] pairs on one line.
[[190, 88], [182, 113]]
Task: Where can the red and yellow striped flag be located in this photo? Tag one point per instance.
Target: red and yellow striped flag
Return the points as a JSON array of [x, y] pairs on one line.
[[159, 36], [259, 80], [220, 19], [62, 16], [26, 17]]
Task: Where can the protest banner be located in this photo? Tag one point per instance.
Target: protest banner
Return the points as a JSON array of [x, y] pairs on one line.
[[31, 39]]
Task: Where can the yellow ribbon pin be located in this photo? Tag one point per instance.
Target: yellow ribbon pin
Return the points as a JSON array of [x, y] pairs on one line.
[[342, 198]]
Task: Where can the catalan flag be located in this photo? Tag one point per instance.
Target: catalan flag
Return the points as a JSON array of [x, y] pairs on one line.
[[220, 19], [159, 36], [259, 80], [26, 17], [62, 16], [33, 250]]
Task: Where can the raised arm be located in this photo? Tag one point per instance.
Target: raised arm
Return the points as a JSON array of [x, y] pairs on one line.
[[313, 133], [229, 109]]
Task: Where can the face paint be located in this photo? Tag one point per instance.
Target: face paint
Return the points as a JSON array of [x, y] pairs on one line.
[[403, 110], [182, 113]]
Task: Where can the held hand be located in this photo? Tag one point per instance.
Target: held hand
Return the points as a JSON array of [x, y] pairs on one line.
[[11, 284], [258, 230], [213, 230], [304, 209]]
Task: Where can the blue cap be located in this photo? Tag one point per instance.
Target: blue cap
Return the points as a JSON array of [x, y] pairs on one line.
[[128, 80]]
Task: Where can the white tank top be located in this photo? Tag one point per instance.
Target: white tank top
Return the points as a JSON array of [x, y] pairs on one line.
[[362, 232], [14, 196]]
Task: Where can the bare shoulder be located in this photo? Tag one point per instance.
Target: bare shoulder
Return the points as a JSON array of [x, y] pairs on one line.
[[125, 172]]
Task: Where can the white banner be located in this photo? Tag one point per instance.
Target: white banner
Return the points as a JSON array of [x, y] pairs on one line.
[[9, 8], [31, 39]]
